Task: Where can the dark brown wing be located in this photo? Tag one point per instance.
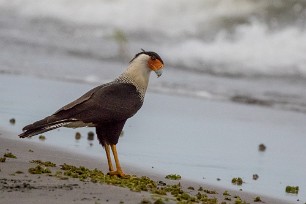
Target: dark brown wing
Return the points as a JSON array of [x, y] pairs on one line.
[[113, 102], [82, 99]]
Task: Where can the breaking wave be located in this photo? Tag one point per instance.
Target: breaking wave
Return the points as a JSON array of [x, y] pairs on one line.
[[224, 37]]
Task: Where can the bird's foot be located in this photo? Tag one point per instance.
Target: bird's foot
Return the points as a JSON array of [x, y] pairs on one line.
[[117, 173]]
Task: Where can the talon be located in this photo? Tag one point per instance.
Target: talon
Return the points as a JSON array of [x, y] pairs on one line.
[[117, 173]]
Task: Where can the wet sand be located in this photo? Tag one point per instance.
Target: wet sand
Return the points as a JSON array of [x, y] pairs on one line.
[[31, 188]]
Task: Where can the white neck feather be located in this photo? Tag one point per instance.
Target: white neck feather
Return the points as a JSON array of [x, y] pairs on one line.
[[138, 73]]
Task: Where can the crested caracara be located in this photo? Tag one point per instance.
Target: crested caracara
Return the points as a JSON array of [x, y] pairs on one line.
[[106, 107]]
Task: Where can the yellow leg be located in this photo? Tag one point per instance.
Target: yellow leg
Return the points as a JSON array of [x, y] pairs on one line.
[[109, 160], [119, 171]]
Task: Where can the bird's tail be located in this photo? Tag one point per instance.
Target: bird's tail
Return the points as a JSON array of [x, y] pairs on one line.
[[44, 125]]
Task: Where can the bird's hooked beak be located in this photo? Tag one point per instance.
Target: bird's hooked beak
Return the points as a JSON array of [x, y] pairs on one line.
[[157, 66], [159, 72]]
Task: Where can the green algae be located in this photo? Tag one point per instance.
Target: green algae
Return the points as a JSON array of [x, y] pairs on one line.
[[202, 197], [60, 175], [90, 136], [209, 191], [46, 163], [159, 201], [239, 201], [42, 137], [292, 189], [145, 201], [39, 170], [10, 155], [262, 147], [255, 177], [237, 181], [190, 188], [13, 121], [2, 159], [134, 183], [173, 177], [257, 199], [226, 193], [77, 136], [227, 198]]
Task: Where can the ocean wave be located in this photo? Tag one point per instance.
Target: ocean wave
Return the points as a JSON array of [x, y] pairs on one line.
[[170, 18], [224, 37], [254, 50]]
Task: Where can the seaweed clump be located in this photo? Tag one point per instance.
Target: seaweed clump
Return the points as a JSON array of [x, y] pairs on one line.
[[262, 147], [210, 191], [145, 201], [159, 201], [90, 136], [13, 121], [292, 189], [239, 201], [42, 167], [10, 155], [77, 136], [237, 181], [255, 176], [46, 163], [135, 184], [39, 170], [257, 199], [2, 159], [173, 177], [42, 137], [226, 193], [82, 173]]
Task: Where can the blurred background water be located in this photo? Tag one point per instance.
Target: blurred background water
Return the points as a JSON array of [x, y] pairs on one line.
[[240, 50]]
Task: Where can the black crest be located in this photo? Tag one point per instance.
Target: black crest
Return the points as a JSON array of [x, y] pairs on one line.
[[150, 53]]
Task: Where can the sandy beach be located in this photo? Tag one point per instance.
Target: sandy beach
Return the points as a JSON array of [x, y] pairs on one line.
[[29, 188], [18, 185]]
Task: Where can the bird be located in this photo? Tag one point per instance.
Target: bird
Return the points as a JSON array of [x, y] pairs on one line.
[[106, 107]]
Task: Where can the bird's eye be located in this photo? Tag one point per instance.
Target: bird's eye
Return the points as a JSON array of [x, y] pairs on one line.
[[153, 57]]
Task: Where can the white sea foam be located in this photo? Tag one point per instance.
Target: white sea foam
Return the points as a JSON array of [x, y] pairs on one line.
[[232, 37], [255, 50], [172, 18]]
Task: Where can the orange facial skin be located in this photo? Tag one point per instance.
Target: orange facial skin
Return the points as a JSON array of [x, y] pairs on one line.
[[155, 64]]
